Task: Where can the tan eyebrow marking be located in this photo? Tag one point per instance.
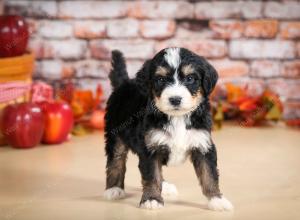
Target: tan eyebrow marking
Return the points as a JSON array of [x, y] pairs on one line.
[[161, 71], [187, 69]]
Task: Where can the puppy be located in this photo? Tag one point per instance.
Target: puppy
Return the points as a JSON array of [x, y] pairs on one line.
[[162, 116]]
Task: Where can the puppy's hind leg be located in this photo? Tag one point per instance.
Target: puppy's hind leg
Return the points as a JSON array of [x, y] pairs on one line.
[[116, 153]]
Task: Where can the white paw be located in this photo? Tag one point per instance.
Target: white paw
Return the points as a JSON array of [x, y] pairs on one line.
[[151, 204], [169, 189], [220, 204], [114, 193]]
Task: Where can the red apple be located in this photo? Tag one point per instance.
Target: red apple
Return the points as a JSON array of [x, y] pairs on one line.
[[58, 122], [22, 125], [13, 36]]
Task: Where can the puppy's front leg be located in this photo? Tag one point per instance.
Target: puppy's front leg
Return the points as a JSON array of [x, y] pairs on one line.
[[150, 169], [207, 172]]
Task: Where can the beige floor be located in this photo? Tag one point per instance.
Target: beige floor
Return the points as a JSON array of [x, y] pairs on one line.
[[260, 174]]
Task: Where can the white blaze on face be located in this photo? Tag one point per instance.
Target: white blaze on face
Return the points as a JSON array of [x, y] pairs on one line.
[[172, 57], [188, 102]]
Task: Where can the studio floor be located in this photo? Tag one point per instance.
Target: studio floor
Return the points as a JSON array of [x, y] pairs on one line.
[[259, 168]]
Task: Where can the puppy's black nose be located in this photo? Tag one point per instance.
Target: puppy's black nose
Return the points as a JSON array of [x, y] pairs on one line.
[[175, 100]]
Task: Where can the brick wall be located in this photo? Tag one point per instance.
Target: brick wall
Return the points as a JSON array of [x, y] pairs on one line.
[[254, 43]]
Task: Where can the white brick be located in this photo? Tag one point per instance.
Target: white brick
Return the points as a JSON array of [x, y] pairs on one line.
[[123, 28], [90, 29], [92, 68], [265, 68], [50, 69], [32, 8], [253, 49], [68, 49], [132, 49], [228, 9], [92, 9], [158, 29], [55, 29], [285, 9]]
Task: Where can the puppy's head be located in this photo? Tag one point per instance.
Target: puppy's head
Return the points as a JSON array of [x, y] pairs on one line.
[[178, 80]]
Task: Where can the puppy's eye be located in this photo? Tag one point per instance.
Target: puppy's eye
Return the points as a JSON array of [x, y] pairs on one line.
[[190, 79], [160, 80]]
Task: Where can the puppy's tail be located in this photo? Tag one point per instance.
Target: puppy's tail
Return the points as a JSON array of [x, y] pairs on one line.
[[118, 73]]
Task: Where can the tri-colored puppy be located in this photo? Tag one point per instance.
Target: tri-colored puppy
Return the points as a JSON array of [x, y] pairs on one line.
[[163, 116]]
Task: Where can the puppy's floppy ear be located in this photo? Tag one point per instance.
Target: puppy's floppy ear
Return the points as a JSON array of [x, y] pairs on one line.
[[143, 78], [210, 78]]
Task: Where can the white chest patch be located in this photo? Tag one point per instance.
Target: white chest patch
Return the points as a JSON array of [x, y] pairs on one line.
[[179, 139]]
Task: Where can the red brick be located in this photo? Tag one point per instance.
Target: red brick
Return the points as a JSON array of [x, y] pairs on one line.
[[289, 30], [252, 49], [291, 109], [287, 89], [291, 69], [92, 9], [226, 29], [228, 68], [284, 9], [45, 9], [265, 68], [90, 29], [203, 47], [55, 29], [161, 9], [228, 9], [261, 28], [158, 29], [123, 28], [132, 49]]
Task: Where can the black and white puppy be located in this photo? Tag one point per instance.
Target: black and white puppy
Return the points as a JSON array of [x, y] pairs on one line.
[[163, 116]]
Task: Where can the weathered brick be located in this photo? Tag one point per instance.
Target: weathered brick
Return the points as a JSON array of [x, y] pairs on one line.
[[55, 29], [91, 68], [50, 69], [158, 29], [262, 49], [123, 28], [228, 9], [68, 49], [226, 29], [289, 30], [161, 9], [186, 33], [132, 49], [291, 69], [90, 29], [203, 47], [287, 89], [92, 9], [40, 49], [291, 109], [265, 68], [45, 9], [133, 66], [298, 49], [284, 9], [228, 68], [261, 28]]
